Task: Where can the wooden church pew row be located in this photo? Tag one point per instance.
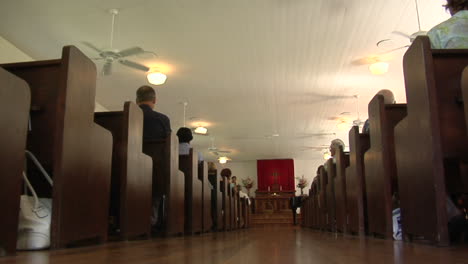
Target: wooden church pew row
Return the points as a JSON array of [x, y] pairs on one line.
[[235, 199], [331, 200], [168, 182], [225, 174], [316, 207], [304, 212], [131, 191], [431, 142], [380, 166], [72, 148], [216, 199], [15, 99], [464, 87], [342, 163], [243, 212], [206, 196], [323, 209], [188, 164], [355, 182]]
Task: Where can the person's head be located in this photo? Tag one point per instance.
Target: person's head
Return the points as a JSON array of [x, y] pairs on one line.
[[184, 134], [226, 172], [334, 144], [234, 179], [146, 95], [388, 96], [453, 6]]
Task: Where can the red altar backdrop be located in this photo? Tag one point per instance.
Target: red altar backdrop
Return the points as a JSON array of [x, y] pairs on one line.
[[280, 171]]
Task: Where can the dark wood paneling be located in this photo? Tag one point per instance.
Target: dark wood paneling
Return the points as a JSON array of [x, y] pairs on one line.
[[355, 182], [15, 99], [206, 196], [63, 137], [331, 202], [131, 191], [432, 140], [323, 222], [342, 162], [188, 164], [168, 182], [380, 166]]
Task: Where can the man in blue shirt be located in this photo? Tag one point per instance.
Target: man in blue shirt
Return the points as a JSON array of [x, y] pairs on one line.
[[155, 125]]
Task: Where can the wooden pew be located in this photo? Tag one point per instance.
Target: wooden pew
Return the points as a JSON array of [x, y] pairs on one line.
[[380, 166], [226, 173], [315, 210], [168, 182], [331, 200], [431, 142], [131, 192], [188, 164], [355, 182], [235, 207], [206, 196], [71, 147], [323, 212], [342, 163], [216, 199], [15, 99]]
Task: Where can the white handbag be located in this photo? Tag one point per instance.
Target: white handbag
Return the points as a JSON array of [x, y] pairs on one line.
[[35, 216]]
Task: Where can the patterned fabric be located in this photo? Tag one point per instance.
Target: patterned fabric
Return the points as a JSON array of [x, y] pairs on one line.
[[451, 34]]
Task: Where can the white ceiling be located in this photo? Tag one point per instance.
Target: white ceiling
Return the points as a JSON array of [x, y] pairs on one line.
[[248, 68]]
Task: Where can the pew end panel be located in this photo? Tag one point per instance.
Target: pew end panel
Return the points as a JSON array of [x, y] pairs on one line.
[[15, 99], [188, 164], [131, 194], [380, 165], [431, 142], [342, 163], [355, 182], [167, 183], [206, 196], [62, 129]]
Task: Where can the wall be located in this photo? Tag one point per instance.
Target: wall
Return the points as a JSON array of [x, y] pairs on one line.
[[307, 168], [9, 53], [242, 170]]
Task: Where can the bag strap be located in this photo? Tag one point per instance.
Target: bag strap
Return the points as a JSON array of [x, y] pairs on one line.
[[38, 164], [31, 189]]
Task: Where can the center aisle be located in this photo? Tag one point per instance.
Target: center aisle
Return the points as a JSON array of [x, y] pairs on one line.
[[275, 245]]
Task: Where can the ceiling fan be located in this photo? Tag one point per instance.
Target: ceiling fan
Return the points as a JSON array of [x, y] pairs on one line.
[[214, 150], [420, 32], [110, 55]]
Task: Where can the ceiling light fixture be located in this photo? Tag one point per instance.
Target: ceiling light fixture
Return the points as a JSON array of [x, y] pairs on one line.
[[379, 68], [201, 130], [342, 125], [156, 77], [223, 160]]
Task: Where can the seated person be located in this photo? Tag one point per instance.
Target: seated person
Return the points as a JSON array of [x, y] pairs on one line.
[[155, 125], [335, 143], [389, 98], [185, 136], [453, 33]]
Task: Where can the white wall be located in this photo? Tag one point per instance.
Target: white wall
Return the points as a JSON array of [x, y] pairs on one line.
[[9, 53], [308, 168], [242, 170]]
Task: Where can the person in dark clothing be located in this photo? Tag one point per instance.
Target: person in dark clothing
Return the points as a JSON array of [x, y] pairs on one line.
[[155, 125]]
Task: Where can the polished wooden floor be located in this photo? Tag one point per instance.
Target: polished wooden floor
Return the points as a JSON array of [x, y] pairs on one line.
[[260, 245]]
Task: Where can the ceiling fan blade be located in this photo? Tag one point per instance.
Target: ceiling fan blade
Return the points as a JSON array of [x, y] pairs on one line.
[[91, 46], [130, 51], [107, 69], [401, 34], [134, 65], [224, 151]]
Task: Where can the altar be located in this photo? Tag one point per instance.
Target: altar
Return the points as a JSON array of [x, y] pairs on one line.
[[273, 201]]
